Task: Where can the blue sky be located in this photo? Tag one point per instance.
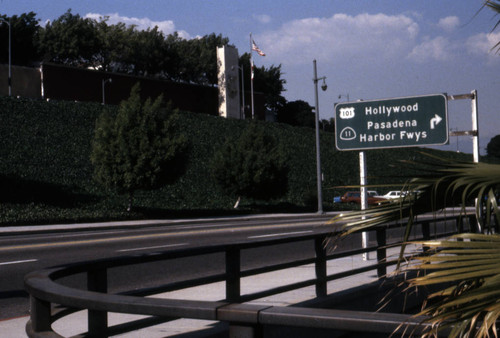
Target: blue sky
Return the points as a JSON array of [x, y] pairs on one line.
[[367, 49]]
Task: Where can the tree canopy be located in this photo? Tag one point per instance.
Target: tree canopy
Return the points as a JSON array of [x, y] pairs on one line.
[[24, 30], [96, 43], [267, 81], [297, 113], [70, 40]]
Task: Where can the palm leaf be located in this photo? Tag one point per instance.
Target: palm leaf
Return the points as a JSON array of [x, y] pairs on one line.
[[475, 299], [466, 266]]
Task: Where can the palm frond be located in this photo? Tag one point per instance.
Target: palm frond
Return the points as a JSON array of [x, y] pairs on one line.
[[494, 5], [466, 267], [472, 304]]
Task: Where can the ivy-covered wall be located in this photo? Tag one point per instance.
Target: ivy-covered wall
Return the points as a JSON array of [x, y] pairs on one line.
[[46, 174]]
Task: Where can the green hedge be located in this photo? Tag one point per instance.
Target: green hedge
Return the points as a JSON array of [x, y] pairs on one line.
[[46, 174]]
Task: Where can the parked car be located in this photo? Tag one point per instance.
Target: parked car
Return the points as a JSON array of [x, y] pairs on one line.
[[399, 193], [394, 194], [355, 197], [370, 193]]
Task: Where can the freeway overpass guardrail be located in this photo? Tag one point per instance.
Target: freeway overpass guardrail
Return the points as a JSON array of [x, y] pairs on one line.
[[245, 320]]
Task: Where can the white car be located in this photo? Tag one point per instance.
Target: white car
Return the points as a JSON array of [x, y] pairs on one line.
[[394, 194]]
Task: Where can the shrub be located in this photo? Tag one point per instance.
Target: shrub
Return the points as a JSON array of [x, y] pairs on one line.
[[252, 165], [139, 148]]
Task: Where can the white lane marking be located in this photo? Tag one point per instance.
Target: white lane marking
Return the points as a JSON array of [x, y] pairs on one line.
[[153, 247], [19, 262], [282, 234]]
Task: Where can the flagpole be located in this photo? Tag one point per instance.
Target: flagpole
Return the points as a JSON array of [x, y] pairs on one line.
[[251, 75]]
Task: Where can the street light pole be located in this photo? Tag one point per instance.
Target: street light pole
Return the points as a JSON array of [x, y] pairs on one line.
[[318, 156], [103, 92], [10, 56]]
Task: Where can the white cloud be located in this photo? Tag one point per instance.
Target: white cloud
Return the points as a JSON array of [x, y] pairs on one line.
[[449, 24], [263, 18], [166, 26], [439, 49], [482, 44], [368, 36]]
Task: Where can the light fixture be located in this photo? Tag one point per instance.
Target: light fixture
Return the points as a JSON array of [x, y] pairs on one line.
[[324, 86]]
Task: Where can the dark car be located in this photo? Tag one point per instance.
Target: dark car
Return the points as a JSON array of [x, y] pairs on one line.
[[355, 197]]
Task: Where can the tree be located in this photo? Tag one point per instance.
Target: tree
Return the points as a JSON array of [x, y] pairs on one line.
[[327, 125], [268, 81], [85, 42], [253, 165], [198, 63], [147, 52], [24, 32], [493, 147], [297, 113], [70, 40], [139, 148], [300, 113], [173, 58], [114, 47]]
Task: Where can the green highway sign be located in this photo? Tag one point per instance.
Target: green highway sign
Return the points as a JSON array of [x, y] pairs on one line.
[[400, 122]]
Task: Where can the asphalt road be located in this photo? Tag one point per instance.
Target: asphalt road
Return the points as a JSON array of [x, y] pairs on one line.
[[23, 253]]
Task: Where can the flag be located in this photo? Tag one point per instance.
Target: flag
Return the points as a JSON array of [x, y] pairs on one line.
[[257, 49]]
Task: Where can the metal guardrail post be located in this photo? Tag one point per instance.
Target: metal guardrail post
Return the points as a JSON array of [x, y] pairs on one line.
[[97, 280], [426, 233], [473, 224], [320, 267], [460, 224], [381, 252], [426, 230], [40, 315], [233, 273]]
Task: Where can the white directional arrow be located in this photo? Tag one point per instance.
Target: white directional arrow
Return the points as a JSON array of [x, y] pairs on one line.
[[435, 121]]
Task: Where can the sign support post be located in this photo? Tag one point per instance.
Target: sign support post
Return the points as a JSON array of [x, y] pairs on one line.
[[400, 122], [364, 199], [475, 123]]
